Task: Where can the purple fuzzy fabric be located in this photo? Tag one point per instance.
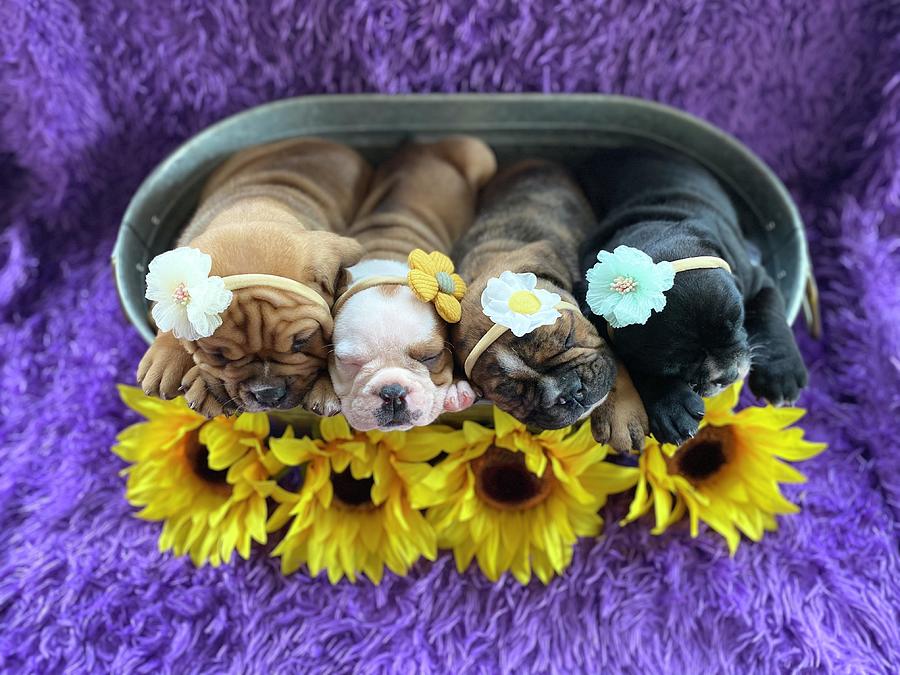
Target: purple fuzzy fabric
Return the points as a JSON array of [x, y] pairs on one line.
[[93, 94]]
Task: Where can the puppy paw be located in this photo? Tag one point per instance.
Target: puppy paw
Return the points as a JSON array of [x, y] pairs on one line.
[[675, 415], [622, 428], [779, 380], [460, 396], [321, 399], [164, 365], [199, 398]]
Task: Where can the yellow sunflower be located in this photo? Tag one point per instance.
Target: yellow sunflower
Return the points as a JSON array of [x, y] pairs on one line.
[[516, 501], [729, 474], [207, 480], [352, 514]]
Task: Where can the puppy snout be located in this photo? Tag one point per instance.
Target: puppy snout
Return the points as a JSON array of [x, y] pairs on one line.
[[270, 396], [573, 393], [393, 394], [394, 397]]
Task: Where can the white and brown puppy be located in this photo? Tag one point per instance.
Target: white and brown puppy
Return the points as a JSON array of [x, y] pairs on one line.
[[392, 367], [279, 210]]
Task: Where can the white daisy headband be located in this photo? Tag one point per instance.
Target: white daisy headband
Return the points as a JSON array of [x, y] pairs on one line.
[[625, 287], [514, 303], [190, 302]]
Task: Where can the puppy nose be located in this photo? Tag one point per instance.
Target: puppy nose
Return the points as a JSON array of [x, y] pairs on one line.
[[270, 395], [392, 393], [576, 393], [566, 399]]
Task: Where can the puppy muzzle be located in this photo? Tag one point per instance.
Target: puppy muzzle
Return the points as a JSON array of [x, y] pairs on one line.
[[393, 399]]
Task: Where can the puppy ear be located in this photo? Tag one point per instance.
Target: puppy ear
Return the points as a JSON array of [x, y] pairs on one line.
[[343, 282], [333, 254], [541, 259]]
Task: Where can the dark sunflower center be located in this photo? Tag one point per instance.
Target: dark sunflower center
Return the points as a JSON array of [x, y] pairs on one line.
[[503, 480], [509, 484], [702, 459], [198, 456], [352, 491]]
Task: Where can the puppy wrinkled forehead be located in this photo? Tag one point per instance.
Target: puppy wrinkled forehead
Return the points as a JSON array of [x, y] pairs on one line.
[[258, 321], [372, 320]]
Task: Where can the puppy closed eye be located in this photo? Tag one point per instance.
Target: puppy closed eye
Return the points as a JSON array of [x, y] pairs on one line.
[[300, 341], [431, 360], [216, 356], [350, 361]]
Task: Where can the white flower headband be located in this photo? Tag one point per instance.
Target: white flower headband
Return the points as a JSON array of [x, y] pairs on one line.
[[514, 303], [190, 303], [625, 287]]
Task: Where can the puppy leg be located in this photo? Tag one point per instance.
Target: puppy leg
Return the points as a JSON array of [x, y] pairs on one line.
[[674, 410], [621, 421], [321, 399], [164, 365], [460, 396], [777, 373], [198, 395]]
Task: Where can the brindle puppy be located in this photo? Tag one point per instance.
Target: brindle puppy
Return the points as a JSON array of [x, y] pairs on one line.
[[532, 218], [276, 209]]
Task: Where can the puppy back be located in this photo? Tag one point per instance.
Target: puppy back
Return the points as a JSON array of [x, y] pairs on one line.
[[526, 203], [319, 183], [423, 197], [471, 156]]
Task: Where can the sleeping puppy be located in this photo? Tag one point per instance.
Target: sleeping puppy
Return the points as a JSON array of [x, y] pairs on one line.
[[531, 219], [391, 366], [716, 326], [278, 210]]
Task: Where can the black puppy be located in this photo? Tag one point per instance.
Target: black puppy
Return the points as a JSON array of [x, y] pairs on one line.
[[716, 326]]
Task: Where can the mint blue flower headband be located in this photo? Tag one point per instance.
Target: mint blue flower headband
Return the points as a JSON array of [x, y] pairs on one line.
[[625, 287]]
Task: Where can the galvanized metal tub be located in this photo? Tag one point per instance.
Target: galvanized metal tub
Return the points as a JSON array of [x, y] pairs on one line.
[[567, 128]]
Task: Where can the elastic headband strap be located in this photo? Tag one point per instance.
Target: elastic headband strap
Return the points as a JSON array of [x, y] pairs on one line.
[[493, 335], [369, 282], [700, 262], [236, 282]]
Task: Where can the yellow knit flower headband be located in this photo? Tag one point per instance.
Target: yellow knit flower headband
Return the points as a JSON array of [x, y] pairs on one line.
[[431, 278]]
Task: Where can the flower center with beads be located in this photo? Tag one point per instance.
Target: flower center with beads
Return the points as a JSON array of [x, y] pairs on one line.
[[181, 295], [623, 285]]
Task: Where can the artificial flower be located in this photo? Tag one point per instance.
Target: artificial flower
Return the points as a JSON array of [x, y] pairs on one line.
[[626, 286], [208, 513], [729, 474], [432, 279], [189, 302], [518, 502], [513, 300], [352, 514]]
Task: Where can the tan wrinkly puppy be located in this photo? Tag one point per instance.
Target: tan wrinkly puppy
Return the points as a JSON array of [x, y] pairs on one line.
[[532, 219], [278, 209], [392, 367]]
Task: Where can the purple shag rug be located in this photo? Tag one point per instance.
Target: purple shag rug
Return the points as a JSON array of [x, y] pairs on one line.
[[94, 93]]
